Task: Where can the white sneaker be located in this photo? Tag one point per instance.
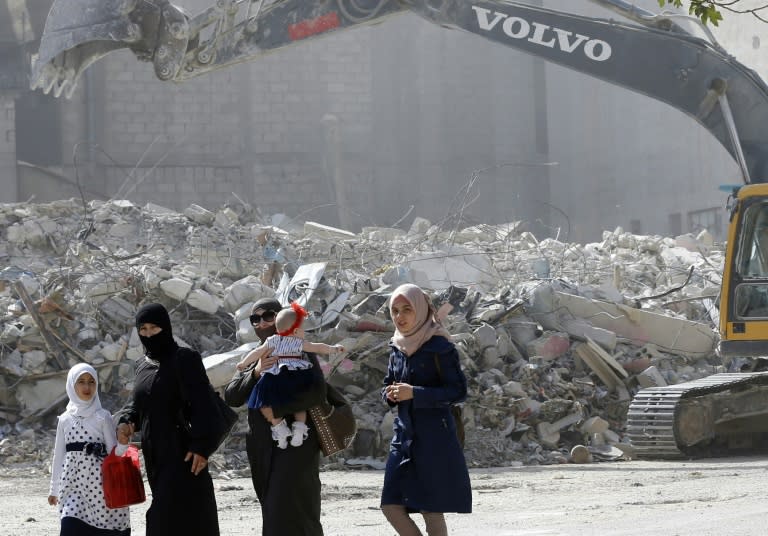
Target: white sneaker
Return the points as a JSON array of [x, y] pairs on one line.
[[299, 433], [281, 433]]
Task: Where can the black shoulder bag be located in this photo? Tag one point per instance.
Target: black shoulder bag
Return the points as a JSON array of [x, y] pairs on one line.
[[222, 422], [456, 410]]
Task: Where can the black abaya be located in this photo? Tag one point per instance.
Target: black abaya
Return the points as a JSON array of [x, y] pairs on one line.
[[286, 481], [182, 503]]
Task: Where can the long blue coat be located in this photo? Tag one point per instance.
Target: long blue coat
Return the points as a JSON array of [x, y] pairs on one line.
[[426, 470]]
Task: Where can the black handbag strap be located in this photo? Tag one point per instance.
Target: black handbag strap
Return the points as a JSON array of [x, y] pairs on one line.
[[440, 374], [439, 369], [177, 375]]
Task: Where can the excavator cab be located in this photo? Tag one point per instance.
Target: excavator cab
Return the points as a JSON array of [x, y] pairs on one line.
[[723, 413], [744, 296]]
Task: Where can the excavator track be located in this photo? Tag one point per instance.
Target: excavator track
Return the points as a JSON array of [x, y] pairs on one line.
[[655, 422]]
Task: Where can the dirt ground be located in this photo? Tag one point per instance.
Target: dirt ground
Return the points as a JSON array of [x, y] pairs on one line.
[[726, 496]]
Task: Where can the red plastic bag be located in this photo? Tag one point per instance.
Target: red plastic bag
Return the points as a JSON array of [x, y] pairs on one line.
[[121, 475]]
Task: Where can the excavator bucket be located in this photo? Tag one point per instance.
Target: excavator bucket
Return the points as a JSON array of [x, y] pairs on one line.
[[79, 32]]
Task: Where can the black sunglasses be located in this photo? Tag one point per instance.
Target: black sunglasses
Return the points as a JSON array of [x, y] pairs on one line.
[[266, 316]]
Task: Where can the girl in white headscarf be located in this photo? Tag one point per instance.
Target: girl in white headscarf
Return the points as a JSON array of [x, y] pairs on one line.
[[84, 436]]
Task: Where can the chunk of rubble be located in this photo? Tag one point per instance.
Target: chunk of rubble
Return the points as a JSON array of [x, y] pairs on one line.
[[677, 336], [176, 288], [202, 300]]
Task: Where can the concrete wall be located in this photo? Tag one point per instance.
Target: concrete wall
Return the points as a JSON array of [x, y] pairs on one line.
[[43, 185], [623, 157], [145, 140], [378, 124], [627, 160], [9, 189], [745, 36]]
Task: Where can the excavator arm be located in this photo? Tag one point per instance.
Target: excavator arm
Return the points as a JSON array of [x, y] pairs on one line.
[[652, 55], [79, 32]]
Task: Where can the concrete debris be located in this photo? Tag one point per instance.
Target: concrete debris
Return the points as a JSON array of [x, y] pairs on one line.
[[651, 377], [602, 364], [555, 338]]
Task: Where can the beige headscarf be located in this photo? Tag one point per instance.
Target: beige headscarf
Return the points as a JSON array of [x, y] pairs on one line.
[[426, 324]]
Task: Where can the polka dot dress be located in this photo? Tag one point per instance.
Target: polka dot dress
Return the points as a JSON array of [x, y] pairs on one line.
[[82, 494]]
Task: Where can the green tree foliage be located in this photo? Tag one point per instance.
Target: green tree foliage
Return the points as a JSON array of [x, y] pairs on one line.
[[710, 11]]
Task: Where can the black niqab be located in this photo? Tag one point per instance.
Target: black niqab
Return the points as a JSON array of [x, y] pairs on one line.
[[162, 344]]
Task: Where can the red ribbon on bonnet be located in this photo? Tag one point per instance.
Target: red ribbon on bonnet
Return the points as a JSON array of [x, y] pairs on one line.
[[301, 314]]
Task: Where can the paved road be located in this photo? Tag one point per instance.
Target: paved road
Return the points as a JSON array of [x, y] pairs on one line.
[[719, 497]]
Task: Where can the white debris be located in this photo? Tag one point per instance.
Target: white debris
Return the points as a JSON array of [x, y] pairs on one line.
[[550, 334], [200, 299], [176, 288]]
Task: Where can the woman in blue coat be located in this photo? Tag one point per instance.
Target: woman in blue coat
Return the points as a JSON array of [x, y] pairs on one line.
[[426, 471]]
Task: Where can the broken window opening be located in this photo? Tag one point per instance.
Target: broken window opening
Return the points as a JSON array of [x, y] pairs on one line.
[[709, 219], [675, 222], [38, 129]]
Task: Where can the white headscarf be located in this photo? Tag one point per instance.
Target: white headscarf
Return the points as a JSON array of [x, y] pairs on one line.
[[77, 406]]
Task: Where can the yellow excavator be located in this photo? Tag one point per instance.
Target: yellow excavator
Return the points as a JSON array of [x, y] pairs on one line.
[[722, 413], [663, 56]]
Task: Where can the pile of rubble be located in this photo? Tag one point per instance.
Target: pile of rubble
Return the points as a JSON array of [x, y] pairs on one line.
[[555, 338]]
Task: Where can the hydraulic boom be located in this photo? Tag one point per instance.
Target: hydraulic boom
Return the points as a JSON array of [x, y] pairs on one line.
[[653, 55]]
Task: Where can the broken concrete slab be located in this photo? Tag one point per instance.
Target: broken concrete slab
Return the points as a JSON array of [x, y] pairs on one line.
[[549, 346], [200, 299], [40, 395], [454, 265], [595, 362], [325, 231], [199, 214], [221, 368], [246, 290], [582, 329], [176, 288], [651, 377], [675, 335]]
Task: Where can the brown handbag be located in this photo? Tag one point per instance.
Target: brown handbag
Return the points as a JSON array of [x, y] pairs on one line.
[[334, 421]]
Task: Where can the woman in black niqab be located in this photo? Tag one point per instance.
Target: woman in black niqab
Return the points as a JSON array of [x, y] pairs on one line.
[[171, 384], [161, 344]]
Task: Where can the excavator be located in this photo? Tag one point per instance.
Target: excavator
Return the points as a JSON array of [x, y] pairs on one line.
[[667, 57]]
